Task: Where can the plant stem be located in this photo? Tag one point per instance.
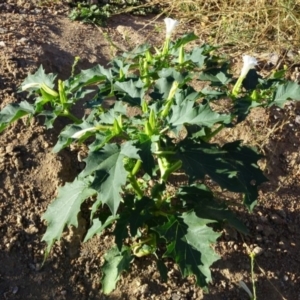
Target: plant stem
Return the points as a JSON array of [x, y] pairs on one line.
[[164, 153], [164, 130], [69, 115], [174, 167], [135, 186], [252, 257], [136, 167], [237, 86], [215, 132]]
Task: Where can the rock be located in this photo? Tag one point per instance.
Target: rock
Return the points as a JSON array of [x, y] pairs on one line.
[[268, 230], [259, 228], [32, 229], [276, 219], [144, 289], [282, 213], [175, 297], [15, 289], [9, 149], [258, 250], [230, 244], [2, 44], [258, 238], [23, 40]]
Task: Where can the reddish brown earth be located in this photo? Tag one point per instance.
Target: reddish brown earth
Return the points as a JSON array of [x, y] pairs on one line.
[[30, 175]]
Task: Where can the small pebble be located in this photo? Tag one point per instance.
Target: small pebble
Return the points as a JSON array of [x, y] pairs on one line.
[[276, 219], [15, 289], [259, 228], [258, 250]]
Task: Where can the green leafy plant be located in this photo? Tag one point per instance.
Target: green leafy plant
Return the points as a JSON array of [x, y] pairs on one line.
[[98, 13], [87, 13], [133, 158]]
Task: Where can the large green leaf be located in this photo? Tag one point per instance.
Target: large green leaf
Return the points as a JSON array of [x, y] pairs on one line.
[[173, 75], [189, 242], [98, 227], [217, 76], [87, 77], [233, 166], [201, 237], [116, 262], [64, 209], [162, 88], [13, 112], [189, 37], [206, 206], [145, 153], [110, 116], [110, 174], [211, 94], [138, 51], [130, 91], [65, 137], [134, 215], [197, 57], [34, 81], [186, 112], [289, 90], [243, 106]]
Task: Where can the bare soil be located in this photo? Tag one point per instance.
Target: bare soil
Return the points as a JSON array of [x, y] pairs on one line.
[[30, 174]]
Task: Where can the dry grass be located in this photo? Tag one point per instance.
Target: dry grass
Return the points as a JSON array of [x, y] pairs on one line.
[[236, 25], [241, 25]]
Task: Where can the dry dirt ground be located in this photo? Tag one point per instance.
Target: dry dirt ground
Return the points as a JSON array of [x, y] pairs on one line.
[[30, 174]]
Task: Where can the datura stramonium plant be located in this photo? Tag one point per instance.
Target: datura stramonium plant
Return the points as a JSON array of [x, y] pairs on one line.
[[249, 63]]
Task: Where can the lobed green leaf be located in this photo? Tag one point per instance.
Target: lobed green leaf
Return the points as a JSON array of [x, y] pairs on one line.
[[13, 112], [64, 209], [116, 262]]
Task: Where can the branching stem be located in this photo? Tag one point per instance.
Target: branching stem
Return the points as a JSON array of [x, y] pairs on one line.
[[69, 115]]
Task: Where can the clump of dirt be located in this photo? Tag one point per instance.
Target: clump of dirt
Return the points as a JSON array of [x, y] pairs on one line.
[[30, 174]]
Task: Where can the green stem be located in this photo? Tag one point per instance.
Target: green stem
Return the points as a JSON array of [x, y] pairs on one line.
[[166, 47], [164, 153], [136, 167], [252, 257], [167, 107], [237, 86], [164, 130], [69, 115], [212, 134], [135, 186], [174, 167]]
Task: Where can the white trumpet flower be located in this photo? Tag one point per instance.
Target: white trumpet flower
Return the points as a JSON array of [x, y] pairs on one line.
[[170, 26], [249, 63], [30, 85], [80, 133]]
